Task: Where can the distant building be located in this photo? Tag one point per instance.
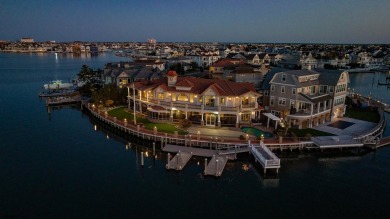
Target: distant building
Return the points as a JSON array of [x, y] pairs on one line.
[[27, 40], [152, 41]]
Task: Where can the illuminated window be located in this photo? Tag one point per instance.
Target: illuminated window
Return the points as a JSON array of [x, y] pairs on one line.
[[160, 96], [182, 97]]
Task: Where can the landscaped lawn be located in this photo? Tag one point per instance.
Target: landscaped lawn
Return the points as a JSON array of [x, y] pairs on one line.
[[312, 132], [121, 114], [363, 114]]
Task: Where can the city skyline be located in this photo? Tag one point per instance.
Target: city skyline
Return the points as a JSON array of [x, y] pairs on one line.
[[339, 22]]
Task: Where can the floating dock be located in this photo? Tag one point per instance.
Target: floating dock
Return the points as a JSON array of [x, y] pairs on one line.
[[215, 166], [200, 152], [178, 161]]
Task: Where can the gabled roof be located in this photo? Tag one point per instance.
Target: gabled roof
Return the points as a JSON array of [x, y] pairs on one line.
[[185, 83]]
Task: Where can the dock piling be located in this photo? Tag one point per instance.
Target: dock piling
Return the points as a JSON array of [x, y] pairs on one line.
[[142, 159], [216, 169], [205, 165], [169, 160]]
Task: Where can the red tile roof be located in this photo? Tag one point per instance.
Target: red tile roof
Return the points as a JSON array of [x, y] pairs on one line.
[[227, 62], [199, 85], [172, 73]]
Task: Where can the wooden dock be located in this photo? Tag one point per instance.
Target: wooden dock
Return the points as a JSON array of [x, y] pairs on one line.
[[53, 101], [215, 166], [178, 161], [265, 157], [200, 152]]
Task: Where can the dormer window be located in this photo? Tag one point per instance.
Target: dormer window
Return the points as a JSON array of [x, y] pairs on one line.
[[284, 77]]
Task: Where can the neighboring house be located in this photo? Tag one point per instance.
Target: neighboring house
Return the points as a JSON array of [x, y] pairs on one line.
[[308, 61], [237, 56], [204, 60], [306, 98], [265, 86], [253, 59], [210, 102], [151, 63], [122, 73], [247, 73], [216, 69]]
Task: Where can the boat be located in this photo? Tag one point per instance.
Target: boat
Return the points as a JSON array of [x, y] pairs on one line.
[[57, 84]]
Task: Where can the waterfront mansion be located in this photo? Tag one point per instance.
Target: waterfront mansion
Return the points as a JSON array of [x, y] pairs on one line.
[[209, 102], [306, 98]]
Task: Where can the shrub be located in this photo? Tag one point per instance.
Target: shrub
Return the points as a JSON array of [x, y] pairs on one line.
[[184, 123]]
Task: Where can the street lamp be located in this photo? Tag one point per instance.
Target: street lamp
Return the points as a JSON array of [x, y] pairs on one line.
[[135, 121]]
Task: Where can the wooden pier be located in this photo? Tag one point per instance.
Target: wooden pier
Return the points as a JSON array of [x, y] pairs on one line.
[[215, 166], [178, 161], [54, 101], [265, 157], [200, 152]]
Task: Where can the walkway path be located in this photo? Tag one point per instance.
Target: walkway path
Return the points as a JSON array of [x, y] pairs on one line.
[[216, 131]]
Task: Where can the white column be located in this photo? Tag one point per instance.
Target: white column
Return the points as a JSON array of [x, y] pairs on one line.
[[186, 110], [311, 109], [324, 105], [268, 122]]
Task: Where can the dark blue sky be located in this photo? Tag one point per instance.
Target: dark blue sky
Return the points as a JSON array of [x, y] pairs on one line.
[[290, 21]]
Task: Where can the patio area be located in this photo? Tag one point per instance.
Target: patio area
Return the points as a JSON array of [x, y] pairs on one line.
[[346, 126]]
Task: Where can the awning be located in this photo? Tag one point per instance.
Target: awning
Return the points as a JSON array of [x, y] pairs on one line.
[[157, 109], [272, 116]]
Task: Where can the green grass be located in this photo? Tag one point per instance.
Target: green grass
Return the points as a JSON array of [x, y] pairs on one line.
[[121, 114], [312, 132], [363, 114]]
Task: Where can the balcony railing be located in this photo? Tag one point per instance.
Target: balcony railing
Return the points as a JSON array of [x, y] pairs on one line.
[[306, 112], [250, 105], [192, 106]]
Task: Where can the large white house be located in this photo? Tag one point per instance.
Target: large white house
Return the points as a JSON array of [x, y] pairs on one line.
[[210, 102]]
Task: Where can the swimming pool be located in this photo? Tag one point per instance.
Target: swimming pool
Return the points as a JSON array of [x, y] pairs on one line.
[[256, 132]]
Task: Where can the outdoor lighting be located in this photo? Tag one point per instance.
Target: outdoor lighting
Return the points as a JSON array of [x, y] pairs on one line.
[[198, 133], [146, 154], [93, 105], [95, 127]]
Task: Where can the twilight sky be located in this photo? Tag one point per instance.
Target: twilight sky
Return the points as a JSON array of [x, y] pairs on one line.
[[270, 21]]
